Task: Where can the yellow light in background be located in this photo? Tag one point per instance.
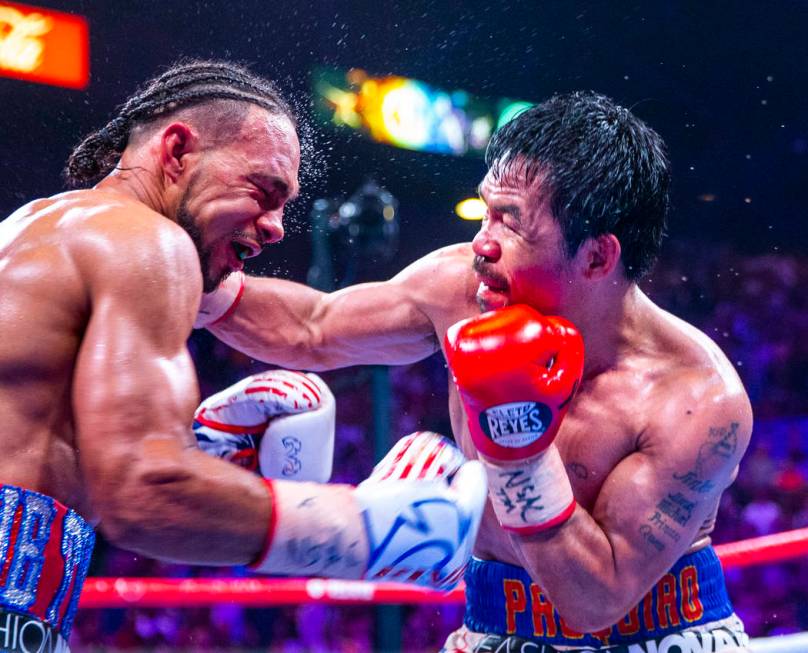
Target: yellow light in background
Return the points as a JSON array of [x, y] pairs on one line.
[[472, 208]]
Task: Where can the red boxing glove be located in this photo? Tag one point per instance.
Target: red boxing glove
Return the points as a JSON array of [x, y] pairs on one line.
[[517, 371]]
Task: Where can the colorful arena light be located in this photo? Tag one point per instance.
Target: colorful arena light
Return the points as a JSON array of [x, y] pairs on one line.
[[408, 113], [44, 46]]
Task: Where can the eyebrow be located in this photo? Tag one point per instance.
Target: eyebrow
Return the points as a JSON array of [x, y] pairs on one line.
[[271, 181], [512, 209], [502, 208]]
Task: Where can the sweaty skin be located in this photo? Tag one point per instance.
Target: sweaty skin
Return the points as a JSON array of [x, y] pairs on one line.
[[99, 294], [650, 441], [97, 389]]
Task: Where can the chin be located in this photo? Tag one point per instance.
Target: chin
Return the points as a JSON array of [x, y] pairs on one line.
[[487, 304]]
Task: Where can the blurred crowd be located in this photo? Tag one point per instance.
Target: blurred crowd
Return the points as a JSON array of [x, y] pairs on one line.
[[755, 308]]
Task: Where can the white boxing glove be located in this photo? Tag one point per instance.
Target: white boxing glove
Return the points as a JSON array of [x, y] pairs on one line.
[[436, 507], [423, 455], [280, 423], [407, 530]]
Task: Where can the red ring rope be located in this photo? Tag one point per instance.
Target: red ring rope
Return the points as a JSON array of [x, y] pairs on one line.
[[183, 592]]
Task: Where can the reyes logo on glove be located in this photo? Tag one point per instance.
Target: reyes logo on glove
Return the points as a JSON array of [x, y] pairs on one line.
[[516, 424]]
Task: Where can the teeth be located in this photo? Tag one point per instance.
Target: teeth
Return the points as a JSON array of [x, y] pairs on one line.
[[242, 252]]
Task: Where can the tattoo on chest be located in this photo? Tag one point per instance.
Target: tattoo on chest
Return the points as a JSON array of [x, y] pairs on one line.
[[519, 494]]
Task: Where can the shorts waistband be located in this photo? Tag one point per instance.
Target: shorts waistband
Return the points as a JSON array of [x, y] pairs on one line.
[[45, 551], [727, 635], [501, 599], [21, 633]]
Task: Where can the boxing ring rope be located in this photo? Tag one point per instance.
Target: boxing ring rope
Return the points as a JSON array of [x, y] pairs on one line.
[[265, 592]]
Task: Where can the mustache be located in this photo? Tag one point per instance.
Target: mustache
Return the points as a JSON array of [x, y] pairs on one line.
[[255, 237], [480, 266]]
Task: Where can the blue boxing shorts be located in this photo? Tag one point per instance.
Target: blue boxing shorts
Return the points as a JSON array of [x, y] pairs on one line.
[[688, 610], [45, 551]]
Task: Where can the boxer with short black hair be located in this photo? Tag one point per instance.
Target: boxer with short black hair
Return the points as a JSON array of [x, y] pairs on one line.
[[100, 287], [609, 433]]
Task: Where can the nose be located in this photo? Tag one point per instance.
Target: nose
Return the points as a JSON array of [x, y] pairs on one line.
[[485, 245], [270, 227]]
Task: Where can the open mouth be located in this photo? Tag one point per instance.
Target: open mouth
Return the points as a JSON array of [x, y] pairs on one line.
[[244, 250], [495, 285]]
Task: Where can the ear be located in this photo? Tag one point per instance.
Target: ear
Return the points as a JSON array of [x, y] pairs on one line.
[[599, 256], [176, 142]]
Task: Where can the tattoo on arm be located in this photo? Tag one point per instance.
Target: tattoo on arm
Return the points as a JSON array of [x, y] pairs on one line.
[[647, 532], [673, 507], [312, 553], [677, 507], [320, 553], [722, 442]]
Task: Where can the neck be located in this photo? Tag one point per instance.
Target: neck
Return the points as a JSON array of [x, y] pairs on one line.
[[608, 324], [140, 181]]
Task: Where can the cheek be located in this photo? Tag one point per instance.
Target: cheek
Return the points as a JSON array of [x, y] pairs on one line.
[[225, 215], [540, 286]]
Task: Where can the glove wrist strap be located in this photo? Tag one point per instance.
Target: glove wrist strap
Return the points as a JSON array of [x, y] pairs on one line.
[[313, 530], [220, 304], [531, 496]]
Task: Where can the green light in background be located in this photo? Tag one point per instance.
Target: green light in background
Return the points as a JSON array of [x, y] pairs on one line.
[[511, 111]]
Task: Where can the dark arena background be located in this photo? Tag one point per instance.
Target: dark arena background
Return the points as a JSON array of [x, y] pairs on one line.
[[724, 83]]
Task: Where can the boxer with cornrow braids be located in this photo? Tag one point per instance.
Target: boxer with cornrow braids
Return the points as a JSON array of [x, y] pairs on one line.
[[97, 388], [192, 84]]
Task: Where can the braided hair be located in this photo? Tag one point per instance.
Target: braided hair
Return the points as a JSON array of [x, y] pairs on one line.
[[186, 84]]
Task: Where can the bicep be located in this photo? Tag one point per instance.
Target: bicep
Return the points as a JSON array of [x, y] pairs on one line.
[[654, 502], [134, 384]]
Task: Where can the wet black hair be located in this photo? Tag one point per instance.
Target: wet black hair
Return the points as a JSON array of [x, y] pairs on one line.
[[224, 88], [605, 169]]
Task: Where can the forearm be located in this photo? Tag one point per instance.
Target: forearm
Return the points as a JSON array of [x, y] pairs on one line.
[[186, 506], [289, 324], [274, 322], [576, 566]]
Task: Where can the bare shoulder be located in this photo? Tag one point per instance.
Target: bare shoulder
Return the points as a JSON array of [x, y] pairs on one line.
[[111, 233], [458, 255], [442, 279], [132, 255], [699, 402]]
